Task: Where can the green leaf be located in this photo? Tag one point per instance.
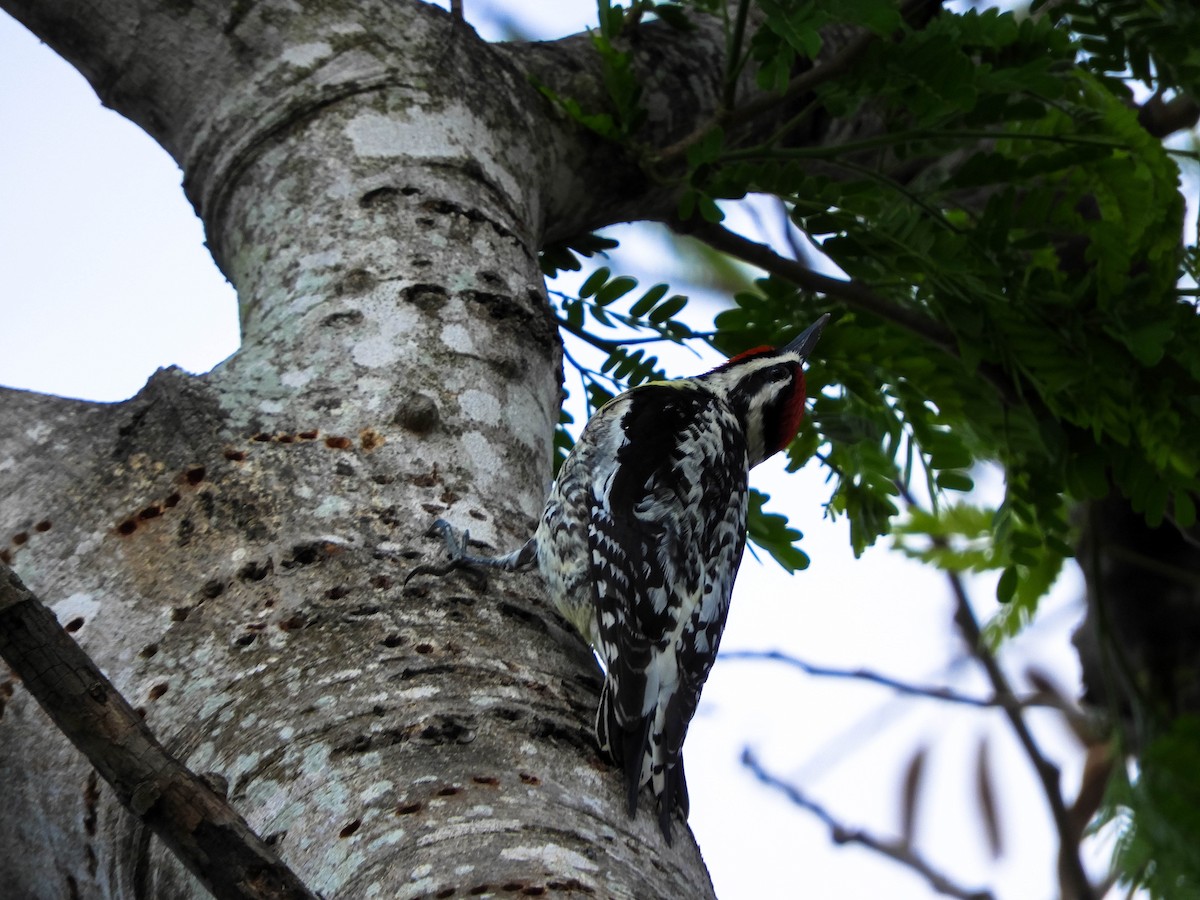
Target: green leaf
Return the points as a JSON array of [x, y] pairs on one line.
[[574, 311], [597, 396], [594, 282], [675, 16], [628, 364], [590, 243], [564, 255], [555, 259], [563, 442], [1007, 585], [707, 149], [599, 315], [1148, 343], [799, 25], [949, 455], [1155, 500], [1025, 539], [708, 209], [687, 205], [668, 309], [647, 301], [1087, 475], [620, 81], [1162, 825], [615, 289], [1059, 547], [1185, 510], [770, 531], [955, 481]]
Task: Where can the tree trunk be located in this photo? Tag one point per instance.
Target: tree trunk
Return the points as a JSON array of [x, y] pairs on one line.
[[375, 181]]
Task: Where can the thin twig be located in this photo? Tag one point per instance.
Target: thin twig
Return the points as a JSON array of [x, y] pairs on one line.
[[733, 55], [806, 81], [1074, 880], [912, 690], [835, 152], [853, 293], [586, 375], [610, 344], [897, 851]]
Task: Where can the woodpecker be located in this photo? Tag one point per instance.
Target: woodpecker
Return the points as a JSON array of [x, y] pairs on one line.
[[641, 540]]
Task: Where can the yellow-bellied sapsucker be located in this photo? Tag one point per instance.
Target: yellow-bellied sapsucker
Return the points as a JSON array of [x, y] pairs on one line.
[[641, 540]]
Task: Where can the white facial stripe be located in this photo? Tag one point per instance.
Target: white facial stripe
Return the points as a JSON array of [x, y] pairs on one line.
[[751, 367]]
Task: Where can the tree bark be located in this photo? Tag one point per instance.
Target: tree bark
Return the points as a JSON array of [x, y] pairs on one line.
[[188, 812], [375, 181]]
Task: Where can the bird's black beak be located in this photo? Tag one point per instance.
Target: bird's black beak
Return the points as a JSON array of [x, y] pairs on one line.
[[807, 339]]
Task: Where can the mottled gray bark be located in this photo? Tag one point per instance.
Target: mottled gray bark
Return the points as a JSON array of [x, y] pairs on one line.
[[187, 812], [375, 181]]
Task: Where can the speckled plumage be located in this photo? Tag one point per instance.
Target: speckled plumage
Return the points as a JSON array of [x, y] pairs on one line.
[[641, 540], [642, 537]]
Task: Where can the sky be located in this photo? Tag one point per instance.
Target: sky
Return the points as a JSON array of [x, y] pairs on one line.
[[104, 277]]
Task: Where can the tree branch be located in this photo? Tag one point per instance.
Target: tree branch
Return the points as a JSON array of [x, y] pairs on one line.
[[1073, 878], [1164, 117], [854, 294], [912, 690], [803, 83], [201, 828], [898, 851]]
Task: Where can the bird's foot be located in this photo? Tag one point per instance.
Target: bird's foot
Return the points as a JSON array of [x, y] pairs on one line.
[[456, 548], [461, 559]]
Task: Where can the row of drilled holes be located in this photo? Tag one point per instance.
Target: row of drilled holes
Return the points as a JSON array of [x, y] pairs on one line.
[[192, 476], [20, 539]]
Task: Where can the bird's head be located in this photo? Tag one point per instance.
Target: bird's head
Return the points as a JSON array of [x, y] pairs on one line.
[[765, 387]]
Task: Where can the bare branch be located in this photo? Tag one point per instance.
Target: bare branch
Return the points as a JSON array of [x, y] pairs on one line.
[[1164, 117], [897, 851], [853, 293], [1074, 880], [200, 827], [912, 690]]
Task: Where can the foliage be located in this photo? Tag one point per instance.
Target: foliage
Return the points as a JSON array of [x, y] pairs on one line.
[[1044, 258], [771, 532], [1159, 813], [1010, 243], [1153, 42]]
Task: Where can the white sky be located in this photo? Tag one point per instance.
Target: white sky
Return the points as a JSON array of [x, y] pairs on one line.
[[104, 278]]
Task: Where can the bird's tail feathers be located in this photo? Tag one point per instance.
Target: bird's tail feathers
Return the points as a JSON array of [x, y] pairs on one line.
[[634, 749]]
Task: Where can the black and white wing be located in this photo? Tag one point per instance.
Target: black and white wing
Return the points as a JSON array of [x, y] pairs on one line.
[[666, 532]]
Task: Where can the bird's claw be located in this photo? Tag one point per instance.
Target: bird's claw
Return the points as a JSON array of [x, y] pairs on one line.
[[456, 549], [443, 529]]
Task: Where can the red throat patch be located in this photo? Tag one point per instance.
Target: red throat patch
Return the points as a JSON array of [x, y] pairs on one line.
[[791, 413]]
